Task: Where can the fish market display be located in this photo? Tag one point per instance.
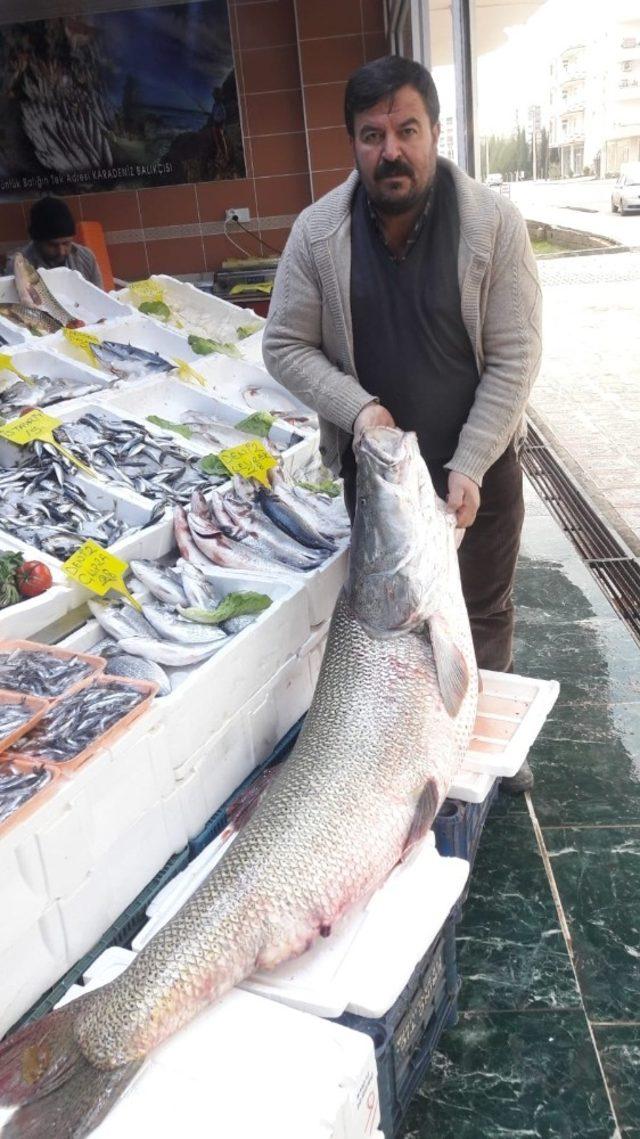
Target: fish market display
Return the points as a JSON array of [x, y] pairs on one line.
[[125, 453], [187, 619], [13, 715], [37, 672], [275, 400], [42, 504], [17, 787], [37, 321], [33, 291], [126, 361], [254, 531], [192, 318], [360, 789], [42, 391], [77, 721], [205, 428]]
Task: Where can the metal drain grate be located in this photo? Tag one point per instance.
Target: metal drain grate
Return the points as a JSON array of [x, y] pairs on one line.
[[614, 568]]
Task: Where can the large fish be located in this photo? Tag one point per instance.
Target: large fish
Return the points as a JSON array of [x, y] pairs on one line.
[[387, 731], [32, 291]]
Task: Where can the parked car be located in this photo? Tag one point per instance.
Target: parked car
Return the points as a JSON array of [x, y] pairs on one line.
[[494, 180], [625, 195]]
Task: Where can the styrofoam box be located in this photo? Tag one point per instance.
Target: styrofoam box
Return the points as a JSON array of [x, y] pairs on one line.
[[38, 361], [134, 329], [33, 613], [212, 316], [307, 1077], [208, 694], [511, 711], [232, 381], [81, 299], [13, 333], [32, 961], [172, 399]]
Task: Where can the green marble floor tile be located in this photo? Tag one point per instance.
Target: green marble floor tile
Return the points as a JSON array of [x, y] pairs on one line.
[[595, 661], [579, 781], [597, 871], [562, 589], [513, 1074], [595, 723], [511, 952], [619, 1048]]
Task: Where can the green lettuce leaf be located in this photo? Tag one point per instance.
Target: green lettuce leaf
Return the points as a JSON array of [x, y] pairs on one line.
[[212, 465], [204, 347], [155, 308], [167, 425], [327, 486], [260, 424], [233, 605]]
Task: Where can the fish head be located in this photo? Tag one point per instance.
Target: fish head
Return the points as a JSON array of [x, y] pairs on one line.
[[403, 538]]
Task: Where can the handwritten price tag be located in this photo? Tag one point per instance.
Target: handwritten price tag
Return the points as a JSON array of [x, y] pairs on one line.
[[37, 425], [82, 340], [99, 570], [7, 365], [251, 460]]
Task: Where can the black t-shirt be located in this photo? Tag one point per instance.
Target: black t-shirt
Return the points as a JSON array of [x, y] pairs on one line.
[[410, 344]]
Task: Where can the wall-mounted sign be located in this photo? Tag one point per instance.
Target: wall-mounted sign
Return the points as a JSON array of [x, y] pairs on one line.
[[119, 99]]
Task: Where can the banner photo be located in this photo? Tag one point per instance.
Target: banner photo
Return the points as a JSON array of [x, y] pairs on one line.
[[119, 100]]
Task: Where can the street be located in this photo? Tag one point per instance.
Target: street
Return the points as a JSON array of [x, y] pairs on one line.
[[577, 203]]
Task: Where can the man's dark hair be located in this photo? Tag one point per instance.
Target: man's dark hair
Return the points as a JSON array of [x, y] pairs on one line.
[[369, 84]]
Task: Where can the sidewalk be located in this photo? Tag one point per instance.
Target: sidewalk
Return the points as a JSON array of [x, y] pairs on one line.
[[586, 400]]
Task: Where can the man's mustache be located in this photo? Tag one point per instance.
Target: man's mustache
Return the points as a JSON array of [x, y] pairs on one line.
[[392, 169]]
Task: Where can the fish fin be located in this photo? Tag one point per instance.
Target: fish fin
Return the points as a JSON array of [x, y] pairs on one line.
[[57, 1091], [246, 803], [424, 815], [451, 667]]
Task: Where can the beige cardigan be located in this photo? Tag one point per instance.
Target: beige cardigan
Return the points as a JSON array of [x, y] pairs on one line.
[[308, 339]]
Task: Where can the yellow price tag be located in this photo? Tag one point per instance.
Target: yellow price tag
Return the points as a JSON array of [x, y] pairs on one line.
[[99, 570], [7, 365], [36, 425], [265, 287], [82, 340], [147, 291], [251, 460], [186, 372]]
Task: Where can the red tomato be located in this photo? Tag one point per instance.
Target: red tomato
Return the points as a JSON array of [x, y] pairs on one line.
[[33, 578]]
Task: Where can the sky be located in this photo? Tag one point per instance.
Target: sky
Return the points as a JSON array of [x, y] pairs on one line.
[[514, 77]]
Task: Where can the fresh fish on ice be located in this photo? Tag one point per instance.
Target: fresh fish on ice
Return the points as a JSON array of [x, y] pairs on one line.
[[388, 728], [12, 716], [126, 360], [17, 787], [172, 654], [33, 291], [40, 673], [35, 320], [137, 668], [78, 720]]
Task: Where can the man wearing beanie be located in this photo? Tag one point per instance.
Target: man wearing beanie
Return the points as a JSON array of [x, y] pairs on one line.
[[52, 229]]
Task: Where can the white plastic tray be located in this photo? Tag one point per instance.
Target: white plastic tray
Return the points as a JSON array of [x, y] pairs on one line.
[[511, 712], [208, 315], [128, 329], [80, 298], [309, 1078], [32, 361]]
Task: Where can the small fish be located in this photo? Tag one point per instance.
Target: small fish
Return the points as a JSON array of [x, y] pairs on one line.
[[172, 627], [13, 716], [126, 361], [33, 291], [137, 668], [169, 653], [40, 673], [17, 787], [120, 620], [42, 391], [37, 321], [163, 585], [77, 721], [284, 515]]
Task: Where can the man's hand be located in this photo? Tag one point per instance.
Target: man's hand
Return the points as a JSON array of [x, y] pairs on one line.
[[372, 415], [463, 498]]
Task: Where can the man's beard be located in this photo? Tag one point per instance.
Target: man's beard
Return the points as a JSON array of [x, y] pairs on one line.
[[394, 206]]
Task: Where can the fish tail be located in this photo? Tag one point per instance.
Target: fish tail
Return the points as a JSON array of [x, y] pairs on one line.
[[45, 1075]]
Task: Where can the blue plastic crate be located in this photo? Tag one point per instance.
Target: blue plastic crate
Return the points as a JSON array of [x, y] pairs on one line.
[[458, 826], [407, 1036]]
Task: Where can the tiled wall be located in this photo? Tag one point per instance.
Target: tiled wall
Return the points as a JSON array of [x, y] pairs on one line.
[[292, 60]]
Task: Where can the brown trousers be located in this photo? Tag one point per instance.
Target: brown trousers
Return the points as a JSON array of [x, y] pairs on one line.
[[487, 558]]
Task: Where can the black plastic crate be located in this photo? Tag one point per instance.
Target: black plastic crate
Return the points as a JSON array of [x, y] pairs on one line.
[[407, 1036]]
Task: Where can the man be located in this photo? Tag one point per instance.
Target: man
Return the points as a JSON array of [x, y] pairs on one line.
[[409, 295], [52, 229]]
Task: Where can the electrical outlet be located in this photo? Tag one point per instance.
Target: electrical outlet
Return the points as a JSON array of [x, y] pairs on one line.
[[238, 213]]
